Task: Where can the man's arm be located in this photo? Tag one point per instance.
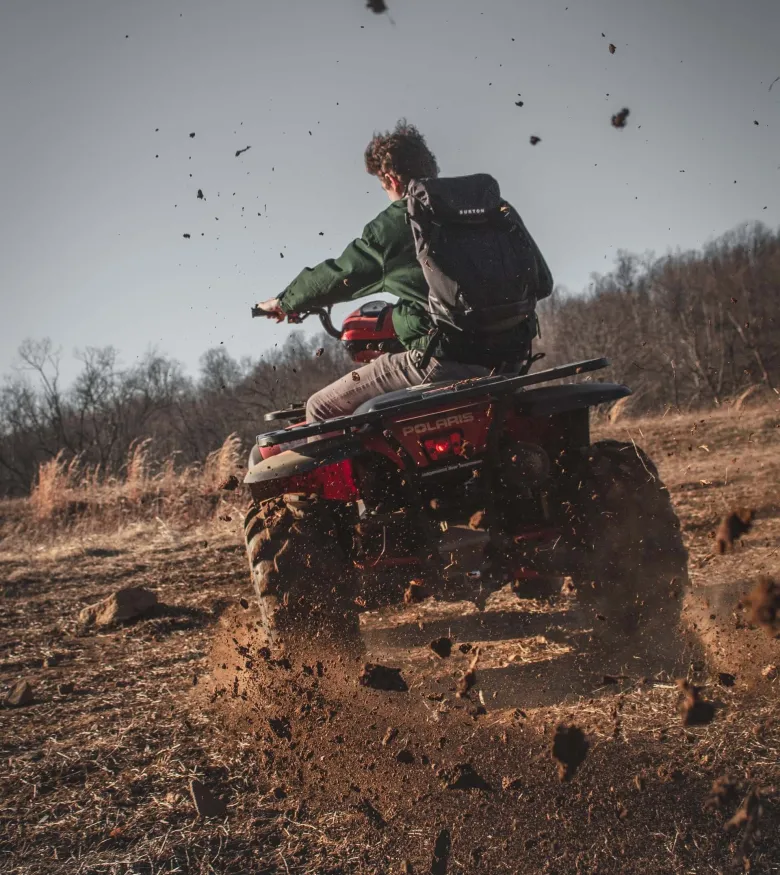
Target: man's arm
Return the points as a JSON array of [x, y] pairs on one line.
[[357, 272]]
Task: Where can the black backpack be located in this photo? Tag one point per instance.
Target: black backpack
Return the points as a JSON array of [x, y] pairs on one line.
[[480, 262]]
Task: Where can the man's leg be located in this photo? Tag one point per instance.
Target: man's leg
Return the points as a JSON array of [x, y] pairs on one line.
[[385, 374]]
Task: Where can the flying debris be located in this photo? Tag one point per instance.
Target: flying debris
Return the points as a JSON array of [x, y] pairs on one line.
[[240, 151], [619, 118], [377, 6], [534, 140]]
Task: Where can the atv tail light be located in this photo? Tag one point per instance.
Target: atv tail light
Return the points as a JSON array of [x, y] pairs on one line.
[[443, 445]]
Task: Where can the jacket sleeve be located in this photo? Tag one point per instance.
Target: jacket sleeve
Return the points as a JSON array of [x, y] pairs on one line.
[[358, 271]]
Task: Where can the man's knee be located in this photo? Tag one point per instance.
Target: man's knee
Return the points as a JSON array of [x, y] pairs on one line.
[[315, 408]]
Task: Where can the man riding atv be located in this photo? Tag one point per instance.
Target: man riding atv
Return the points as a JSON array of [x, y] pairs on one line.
[[404, 252]]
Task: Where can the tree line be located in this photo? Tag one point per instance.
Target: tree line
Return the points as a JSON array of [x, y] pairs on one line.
[[108, 409], [685, 330]]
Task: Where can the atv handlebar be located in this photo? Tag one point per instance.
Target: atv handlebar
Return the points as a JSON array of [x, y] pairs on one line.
[[297, 318]]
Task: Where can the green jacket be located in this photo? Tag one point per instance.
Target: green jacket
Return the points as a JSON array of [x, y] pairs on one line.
[[383, 260]]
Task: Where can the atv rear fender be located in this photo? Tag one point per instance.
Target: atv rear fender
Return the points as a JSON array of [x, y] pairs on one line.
[[323, 467], [555, 416]]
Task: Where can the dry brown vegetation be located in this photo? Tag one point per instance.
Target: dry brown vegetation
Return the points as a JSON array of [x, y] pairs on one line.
[[687, 330], [95, 772], [72, 498]]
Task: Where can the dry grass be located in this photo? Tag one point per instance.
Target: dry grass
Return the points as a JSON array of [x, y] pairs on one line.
[[72, 498]]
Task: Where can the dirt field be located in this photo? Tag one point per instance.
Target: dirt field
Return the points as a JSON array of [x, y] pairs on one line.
[[95, 772]]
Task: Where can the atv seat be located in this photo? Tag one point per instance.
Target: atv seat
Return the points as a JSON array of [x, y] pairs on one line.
[[420, 397], [399, 397]]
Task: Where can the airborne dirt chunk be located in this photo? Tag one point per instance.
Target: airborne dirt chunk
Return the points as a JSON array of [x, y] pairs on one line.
[[732, 528], [619, 118], [230, 483], [371, 814], [21, 694], [569, 749], [462, 777], [389, 736], [764, 604], [694, 710], [441, 853], [382, 677], [125, 604], [477, 519], [724, 792], [442, 647], [747, 814], [414, 593], [206, 802], [466, 683]]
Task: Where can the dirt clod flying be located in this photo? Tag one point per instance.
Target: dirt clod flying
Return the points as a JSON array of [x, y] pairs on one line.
[[442, 647], [764, 604], [414, 592], [694, 710], [619, 118], [206, 803], [732, 528], [724, 792], [569, 749], [383, 677], [462, 776], [441, 853]]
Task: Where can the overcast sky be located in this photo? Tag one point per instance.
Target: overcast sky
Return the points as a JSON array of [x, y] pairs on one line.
[[99, 174]]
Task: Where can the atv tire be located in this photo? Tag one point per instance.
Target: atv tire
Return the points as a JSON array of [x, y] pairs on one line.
[[630, 563], [303, 580]]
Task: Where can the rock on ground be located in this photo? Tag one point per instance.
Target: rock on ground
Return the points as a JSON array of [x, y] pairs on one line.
[[123, 605], [21, 694]]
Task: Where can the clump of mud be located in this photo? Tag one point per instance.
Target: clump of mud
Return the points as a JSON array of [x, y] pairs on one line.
[[569, 749], [383, 677], [694, 710], [442, 647], [764, 604], [732, 528]]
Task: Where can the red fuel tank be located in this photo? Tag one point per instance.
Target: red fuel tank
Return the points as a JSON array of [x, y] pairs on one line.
[[368, 332]]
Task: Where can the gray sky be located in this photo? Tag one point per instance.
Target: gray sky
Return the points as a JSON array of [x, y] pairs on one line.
[[91, 221]]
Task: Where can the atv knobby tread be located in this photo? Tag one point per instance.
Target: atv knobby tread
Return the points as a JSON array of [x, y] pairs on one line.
[[304, 583]]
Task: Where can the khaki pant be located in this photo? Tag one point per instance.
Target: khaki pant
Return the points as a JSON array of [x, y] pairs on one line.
[[387, 373]]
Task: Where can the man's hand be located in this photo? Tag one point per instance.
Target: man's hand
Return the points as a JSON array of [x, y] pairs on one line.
[[270, 309]]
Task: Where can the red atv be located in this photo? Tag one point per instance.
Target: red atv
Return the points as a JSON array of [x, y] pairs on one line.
[[456, 489]]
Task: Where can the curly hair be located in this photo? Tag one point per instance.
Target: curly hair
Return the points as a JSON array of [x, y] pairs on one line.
[[402, 152]]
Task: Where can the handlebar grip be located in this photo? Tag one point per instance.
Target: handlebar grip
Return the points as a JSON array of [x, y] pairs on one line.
[[258, 311]]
